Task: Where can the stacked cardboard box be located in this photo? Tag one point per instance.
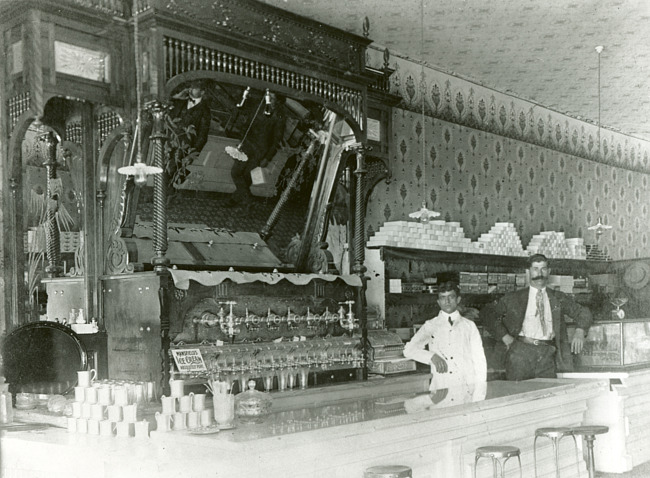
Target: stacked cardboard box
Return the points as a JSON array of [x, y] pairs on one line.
[[595, 254], [502, 240], [550, 243], [434, 235], [577, 248]]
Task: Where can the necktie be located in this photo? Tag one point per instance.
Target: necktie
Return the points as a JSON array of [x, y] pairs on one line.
[[451, 322], [540, 310]]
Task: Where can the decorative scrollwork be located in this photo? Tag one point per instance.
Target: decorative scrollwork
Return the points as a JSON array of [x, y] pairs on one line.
[[117, 257]]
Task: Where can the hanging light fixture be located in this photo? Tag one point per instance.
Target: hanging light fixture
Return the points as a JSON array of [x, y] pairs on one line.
[[423, 214], [599, 50], [139, 170], [599, 227]]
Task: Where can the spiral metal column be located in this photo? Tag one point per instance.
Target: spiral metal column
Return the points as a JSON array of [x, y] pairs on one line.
[[159, 262], [52, 237], [359, 212], [359, 249], [265, 233]]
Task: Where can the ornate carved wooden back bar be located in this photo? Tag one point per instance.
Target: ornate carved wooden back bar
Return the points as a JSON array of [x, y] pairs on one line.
[[85, 54]]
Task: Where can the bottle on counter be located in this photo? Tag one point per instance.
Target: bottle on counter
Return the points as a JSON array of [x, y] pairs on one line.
[[6, 407]]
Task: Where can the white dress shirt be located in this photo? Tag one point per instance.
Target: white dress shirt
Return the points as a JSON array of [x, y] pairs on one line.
[[532, 328], [459, 344], [192, 102]]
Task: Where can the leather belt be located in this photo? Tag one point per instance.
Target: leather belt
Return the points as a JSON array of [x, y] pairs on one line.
[[530, 341]]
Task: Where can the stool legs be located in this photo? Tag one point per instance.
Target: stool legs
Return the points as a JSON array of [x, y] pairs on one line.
[[555, 440], [498, 467], [591, 467], [503, 467]]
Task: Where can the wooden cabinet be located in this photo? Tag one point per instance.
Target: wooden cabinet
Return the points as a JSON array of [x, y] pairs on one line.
[[132, 321]]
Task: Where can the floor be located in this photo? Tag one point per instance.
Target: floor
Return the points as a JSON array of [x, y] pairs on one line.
[[641, 471]]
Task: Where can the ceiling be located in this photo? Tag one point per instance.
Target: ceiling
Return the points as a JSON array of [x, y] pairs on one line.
[[538, 50]]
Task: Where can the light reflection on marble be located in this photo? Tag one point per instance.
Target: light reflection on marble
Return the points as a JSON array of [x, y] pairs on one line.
[[373, 408]]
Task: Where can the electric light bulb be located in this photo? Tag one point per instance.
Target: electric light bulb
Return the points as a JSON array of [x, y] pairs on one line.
[[140, 177]]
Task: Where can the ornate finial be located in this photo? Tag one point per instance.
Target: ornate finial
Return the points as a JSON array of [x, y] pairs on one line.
[[386, 58], [366, 27]]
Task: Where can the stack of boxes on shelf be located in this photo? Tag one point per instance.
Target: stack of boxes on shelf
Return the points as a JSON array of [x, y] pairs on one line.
[[434, 235], [502, 240], [595, 254], [554, 245], [401, 286], [492, 283]]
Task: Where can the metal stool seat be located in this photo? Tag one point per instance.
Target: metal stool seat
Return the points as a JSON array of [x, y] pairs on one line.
[[497, 454], [589, 432], [391, 471], [555, 434]]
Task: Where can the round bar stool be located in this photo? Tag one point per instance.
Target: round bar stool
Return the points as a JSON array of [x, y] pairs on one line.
[[589, 432], [498, 453], [555, 434], [390, 471]]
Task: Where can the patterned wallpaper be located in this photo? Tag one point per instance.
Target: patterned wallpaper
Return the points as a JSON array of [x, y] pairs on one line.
[[508, 161]]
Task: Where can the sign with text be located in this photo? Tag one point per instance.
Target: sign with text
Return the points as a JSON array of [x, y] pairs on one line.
[[189, 360]]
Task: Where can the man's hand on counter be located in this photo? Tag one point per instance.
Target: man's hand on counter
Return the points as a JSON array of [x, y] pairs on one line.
[[439, 363], [578, 341]]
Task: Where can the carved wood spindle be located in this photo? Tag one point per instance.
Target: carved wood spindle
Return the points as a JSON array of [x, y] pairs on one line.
[[175, 58], [183, 61], [195, 57], [213, 60], [257, 70], [226, 63], [219, 61]]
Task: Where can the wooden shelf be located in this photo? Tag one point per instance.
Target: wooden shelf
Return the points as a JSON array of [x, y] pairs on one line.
[[561, 266]]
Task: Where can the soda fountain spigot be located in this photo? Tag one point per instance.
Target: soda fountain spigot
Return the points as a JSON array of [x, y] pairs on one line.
[[347, 320], [252, 321], [292, 320], [273, 321], [312, 320], [229, 325]]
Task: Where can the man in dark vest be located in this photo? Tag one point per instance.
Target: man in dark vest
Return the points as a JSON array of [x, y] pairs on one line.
[[191, 117], [531, 324]]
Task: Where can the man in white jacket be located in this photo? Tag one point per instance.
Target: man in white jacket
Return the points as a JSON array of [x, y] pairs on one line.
[[452, 345]]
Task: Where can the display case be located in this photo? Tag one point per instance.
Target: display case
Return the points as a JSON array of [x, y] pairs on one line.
[[615, 345]]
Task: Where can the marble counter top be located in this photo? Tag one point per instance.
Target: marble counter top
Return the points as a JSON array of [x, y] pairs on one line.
[[338, 438]]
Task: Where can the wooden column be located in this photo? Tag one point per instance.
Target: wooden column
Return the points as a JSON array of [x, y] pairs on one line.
[[89, 213]]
